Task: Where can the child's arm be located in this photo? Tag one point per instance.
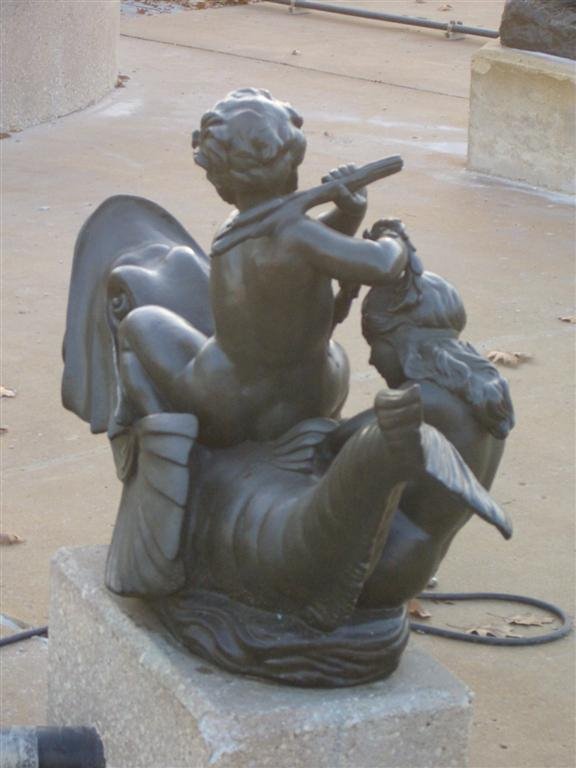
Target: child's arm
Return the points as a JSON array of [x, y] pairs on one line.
[[345, 258]]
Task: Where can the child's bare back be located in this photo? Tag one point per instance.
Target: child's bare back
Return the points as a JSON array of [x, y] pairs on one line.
[[271, 362]]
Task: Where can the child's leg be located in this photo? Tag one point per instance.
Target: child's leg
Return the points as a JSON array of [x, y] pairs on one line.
[[154, 345]]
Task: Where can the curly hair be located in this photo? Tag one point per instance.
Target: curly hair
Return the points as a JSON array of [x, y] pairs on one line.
[[425, 337], [250, 140]]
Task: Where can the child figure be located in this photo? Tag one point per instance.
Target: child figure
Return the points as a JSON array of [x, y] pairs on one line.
[[271, 362]]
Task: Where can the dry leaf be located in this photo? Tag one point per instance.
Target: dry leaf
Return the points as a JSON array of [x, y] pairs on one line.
[[511, 359], [416, 610], [296, 52], [530, 620], [5, 135], [5, 392], [445, 7], [10, 538], [3, 430], [490, 631], [568, 319]]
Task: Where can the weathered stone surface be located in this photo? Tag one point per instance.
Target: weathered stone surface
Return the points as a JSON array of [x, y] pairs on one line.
[[19, 748], [24, 681], [522, 117], [57, 57], [547, 26], [155, 706]]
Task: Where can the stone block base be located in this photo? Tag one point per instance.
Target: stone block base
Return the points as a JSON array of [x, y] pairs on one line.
[[523, 117], [112, 666], [24, 668]]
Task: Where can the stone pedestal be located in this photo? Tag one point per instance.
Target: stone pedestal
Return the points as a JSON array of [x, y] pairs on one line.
[[523, 117], [112, 666], [57, 56]]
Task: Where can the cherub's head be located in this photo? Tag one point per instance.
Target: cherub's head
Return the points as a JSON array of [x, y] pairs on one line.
[[250, 143]]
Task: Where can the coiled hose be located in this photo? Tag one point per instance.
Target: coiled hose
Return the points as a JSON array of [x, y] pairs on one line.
[[428, 629]]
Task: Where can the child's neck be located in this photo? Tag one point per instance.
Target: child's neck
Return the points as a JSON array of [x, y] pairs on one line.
[[250, 199]]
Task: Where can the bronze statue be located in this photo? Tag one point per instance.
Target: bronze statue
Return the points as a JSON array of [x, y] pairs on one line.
[[253, 520]]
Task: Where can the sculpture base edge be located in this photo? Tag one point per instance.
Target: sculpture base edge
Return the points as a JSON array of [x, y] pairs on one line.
[[113, 666]]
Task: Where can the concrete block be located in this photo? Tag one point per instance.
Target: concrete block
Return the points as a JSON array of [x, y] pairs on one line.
[[523, 117], [155, 706], [57, 56], [24, 673]]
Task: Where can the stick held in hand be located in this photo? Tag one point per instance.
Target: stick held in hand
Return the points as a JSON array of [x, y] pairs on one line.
[[257, 221]]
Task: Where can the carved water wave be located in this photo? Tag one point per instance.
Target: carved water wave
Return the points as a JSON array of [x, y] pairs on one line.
[[246, 640]]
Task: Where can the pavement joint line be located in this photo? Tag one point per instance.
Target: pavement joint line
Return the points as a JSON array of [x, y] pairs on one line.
[[375, 81]]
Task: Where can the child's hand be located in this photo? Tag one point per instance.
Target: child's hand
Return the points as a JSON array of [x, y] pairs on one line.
[[351, 203], [387, 228]]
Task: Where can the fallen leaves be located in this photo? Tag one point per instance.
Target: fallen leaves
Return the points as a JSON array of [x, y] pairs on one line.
[[568, 319], [492, 631], [121, 81], [202, 4], [506, 630], [530, 620], [498, 627], [6, 392], [445, 7], [510, 359], [5, 135], [154, 7], [7, 539], [416, 610]]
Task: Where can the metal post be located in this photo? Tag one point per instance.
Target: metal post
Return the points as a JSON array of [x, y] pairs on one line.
[[51, 748], [449, 27], [295, 10]]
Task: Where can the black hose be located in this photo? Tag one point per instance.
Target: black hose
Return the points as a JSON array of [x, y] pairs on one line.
[[548, 637], [428, 629], [34, 632]]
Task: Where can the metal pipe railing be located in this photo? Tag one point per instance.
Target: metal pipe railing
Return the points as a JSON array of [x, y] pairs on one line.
[[446, 26]]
